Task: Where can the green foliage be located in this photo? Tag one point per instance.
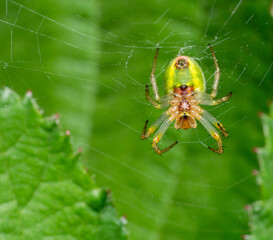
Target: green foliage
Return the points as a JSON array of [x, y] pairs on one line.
[[261, 212], [91, 63], [44, 191]]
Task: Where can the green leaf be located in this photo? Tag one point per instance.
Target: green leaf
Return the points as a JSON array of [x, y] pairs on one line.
[[44, 191], [261, 212]]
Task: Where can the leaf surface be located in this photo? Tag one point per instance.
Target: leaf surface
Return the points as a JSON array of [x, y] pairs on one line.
[[44, 191]]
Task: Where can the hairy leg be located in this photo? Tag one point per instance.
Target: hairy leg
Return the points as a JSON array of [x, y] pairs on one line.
[[152, 101], [153, 80], [213, 133], [145, 134], [161, 131], [215, 122], [216, 74], [206, 99]]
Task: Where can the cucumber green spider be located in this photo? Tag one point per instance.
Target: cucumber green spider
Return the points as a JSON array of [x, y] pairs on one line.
[[185, 90]]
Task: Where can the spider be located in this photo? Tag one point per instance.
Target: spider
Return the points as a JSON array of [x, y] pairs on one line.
[[185, 90]]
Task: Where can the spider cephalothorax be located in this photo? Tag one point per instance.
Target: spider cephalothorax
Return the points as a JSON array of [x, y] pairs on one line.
[[185, 88], [182, 107]]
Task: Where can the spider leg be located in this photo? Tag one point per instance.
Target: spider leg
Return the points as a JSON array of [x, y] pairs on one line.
[[215, 122], [152, 101], [161, 131], [213, 133], [145, 134], [206, 99], [152, 77], [223, 99], [216, 75]]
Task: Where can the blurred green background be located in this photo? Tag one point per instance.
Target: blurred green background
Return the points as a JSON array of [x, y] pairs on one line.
[[89, 61]]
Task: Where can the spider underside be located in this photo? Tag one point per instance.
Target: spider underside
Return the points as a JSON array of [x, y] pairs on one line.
[[183, 101]]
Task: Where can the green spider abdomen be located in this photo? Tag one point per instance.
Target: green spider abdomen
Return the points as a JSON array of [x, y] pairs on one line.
[[184, 70]]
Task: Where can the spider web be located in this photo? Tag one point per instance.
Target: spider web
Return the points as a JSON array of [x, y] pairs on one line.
[[90, 62]]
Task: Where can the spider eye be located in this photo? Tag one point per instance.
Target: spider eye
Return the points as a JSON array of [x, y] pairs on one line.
[[182, 63]]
